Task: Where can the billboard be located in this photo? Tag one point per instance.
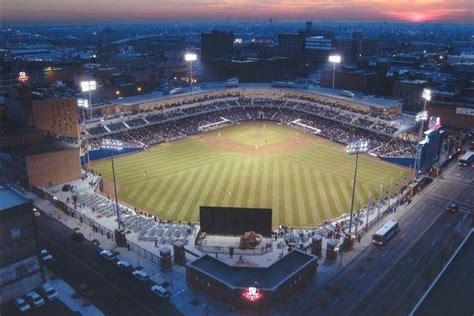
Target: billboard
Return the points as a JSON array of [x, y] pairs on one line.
[[216, 220]]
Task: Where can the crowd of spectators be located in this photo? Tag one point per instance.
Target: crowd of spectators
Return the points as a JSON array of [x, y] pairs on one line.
[[338, 121], [185, 122]]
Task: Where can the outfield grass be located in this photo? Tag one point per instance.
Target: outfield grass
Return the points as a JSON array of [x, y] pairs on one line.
[[248, 165]]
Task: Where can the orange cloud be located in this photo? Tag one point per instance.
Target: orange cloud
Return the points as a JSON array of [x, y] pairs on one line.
[[110, 10]]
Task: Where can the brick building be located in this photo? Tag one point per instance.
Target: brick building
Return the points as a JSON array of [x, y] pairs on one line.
[[56, 115], [42, 165], [20, 269]]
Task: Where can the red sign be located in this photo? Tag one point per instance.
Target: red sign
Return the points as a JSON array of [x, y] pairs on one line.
[[252, 294], [23, 77]]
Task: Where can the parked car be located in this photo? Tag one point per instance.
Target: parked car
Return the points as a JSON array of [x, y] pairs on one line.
[[160, 291], [79, 237], [124, 265], [48, 292], [21, 305], [141, 275], [35, 299], [452, 208], [36, 212], [46, 256], [107, 255]]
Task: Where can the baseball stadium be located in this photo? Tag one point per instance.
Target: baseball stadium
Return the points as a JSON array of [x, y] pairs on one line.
[[251, 148]]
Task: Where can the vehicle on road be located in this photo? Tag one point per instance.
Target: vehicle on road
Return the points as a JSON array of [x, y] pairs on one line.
[[46, 256], [21, 305], [467, 159], [141, 275], [48, 292], [35, 299], [452, 208], [385, 233], [76, 236], [36, 212], [124, 265], [160, 291], [107, 255]]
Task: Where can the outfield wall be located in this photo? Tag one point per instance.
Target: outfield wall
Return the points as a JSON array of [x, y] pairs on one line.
[[402, 161], [105, 153]]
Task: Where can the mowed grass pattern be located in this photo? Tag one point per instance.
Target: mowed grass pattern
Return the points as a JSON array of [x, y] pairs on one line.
[[304, 187]]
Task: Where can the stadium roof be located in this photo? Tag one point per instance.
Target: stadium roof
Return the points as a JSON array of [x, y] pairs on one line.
[[372, 101], [245, 276], [10, 198]]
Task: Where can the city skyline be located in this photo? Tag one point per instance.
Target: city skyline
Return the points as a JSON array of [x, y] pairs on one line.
[[73, 11]]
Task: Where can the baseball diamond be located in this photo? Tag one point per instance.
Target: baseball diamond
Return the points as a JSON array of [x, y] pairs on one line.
[[305, 179]]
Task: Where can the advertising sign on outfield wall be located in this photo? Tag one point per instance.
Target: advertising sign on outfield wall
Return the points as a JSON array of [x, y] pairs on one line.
[[465, 111]]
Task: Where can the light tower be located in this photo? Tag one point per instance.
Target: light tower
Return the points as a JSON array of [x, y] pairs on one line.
[[334, 59], [87, 86], [190, 57], [118, 146], [421, 117], [356, 148]]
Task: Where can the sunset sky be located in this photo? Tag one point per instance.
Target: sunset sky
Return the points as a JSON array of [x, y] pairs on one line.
[[27, 11]]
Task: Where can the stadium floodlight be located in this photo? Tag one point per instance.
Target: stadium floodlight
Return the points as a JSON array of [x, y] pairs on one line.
[[83, 103], [426, 94], [113, 145], [422, 116], [87, 86], [190, 57], [356, 148], [334, 59]]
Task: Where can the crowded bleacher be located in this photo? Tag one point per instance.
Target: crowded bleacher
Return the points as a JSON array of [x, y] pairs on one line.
[[335, 120]]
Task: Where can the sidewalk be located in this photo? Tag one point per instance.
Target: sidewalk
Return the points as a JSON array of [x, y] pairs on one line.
[[65, 293]]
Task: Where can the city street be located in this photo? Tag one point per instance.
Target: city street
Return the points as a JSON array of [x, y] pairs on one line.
[[388, 280], [115, 292]]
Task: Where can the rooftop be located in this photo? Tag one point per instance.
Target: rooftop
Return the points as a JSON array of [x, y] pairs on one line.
[[216, 87], [10, 197], [245, 276]]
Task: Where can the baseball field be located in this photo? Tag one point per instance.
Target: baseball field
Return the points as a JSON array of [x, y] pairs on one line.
[[305, 179]]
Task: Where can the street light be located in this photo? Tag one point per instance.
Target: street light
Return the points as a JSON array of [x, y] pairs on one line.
[[334, 59], [356, 148], [190, 57], [113, 145]]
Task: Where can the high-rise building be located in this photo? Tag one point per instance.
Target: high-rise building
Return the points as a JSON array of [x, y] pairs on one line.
[[290, 45], [217, 45], [20, 269], [363, 47], [409, 91], [343, 47], [53, 114], [318, 48], [56, 115], [254, 69]]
